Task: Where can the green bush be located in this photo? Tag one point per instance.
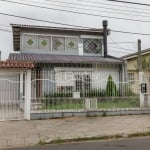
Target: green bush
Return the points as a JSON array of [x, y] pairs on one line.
[[86, 93], [111, 89], [58, 94], [94, 93]]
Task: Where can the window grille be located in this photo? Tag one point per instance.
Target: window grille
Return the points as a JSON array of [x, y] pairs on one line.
[[92, 46]]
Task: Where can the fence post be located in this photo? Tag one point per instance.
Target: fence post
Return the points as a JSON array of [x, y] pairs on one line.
[[141, 94], [28, 95]]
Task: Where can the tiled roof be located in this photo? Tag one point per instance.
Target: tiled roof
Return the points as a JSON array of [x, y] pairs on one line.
[[51, 58], [132, 55], [16, 65]]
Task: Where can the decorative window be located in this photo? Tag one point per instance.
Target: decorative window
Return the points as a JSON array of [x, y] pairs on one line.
[[58, 43], [92, 46], [71, 43], [30, 42], [49, 42], [44, 42]]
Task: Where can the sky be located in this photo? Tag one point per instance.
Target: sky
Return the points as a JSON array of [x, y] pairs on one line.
[[86, 13]]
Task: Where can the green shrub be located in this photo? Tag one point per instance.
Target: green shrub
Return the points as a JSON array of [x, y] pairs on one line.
[[111, 89], [58, 94]]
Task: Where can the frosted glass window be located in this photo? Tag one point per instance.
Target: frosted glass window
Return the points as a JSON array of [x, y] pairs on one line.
[[58, 43], [44, 43], [30, 42], [71, 43]]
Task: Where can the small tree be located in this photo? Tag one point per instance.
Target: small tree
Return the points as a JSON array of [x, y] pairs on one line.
[[111, 89]]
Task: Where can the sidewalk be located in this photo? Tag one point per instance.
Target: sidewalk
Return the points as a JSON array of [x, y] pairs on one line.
[[25, 133]]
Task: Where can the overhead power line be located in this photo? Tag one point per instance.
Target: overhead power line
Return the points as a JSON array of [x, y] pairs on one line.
[[93, 2], [127, 32], [77, 26], [81, 13], [135, 3], [126, 49], [118, 46], [4, 25], [71, 25], [46, 21], [121, 43], [110, 8], [87, 9], [119, 52], [5, 30]]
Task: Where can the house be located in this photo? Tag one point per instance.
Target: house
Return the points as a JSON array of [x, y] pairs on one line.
[[132, 62], [133, 68], [65, 59], [69, 68]]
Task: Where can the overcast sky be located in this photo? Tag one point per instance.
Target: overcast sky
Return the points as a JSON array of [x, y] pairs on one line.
[[104, 8]]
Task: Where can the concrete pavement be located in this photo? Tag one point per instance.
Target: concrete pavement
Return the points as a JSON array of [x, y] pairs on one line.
[[25, 133]]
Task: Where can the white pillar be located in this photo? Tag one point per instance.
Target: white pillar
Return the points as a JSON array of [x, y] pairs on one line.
[[28, 95], [81, 47], [21, 90], [141, 80]]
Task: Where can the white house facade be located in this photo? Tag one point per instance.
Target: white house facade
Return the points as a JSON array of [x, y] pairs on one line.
[[57, 68], [70, 59]]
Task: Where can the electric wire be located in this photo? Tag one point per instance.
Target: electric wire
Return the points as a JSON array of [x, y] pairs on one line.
[[134, 3], [46, 21], [81, 13], [5, 30], [131, 11], [93, 2], [87, 9]]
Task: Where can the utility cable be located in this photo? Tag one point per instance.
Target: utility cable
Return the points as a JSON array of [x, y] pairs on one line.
[[81, 13], [87, 9]]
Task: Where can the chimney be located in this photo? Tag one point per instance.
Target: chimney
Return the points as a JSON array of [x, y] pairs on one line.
[[105, 32]]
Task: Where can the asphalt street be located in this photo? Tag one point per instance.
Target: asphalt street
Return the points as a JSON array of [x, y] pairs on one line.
[[123, 144]]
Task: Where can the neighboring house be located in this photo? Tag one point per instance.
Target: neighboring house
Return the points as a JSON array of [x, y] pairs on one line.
[[132, 66], [65, 58]]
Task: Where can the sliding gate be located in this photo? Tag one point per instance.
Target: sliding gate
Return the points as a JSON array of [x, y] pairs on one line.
[[11, 96]]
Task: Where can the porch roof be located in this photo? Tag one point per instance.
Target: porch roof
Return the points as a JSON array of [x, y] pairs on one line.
[[51, 58], [16, 65]]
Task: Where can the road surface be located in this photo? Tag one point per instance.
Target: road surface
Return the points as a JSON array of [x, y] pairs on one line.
[[123, 144]]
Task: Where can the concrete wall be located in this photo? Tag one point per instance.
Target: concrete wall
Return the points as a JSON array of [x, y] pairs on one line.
[[92, 113]]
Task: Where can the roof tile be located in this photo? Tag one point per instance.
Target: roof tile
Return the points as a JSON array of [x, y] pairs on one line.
[[51, 58], [16, 65]]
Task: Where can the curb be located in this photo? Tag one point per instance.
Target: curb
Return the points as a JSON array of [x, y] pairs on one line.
[[80, 139], [91, 138]]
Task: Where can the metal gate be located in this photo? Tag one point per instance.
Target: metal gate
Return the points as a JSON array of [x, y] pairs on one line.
[[11, 99]]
